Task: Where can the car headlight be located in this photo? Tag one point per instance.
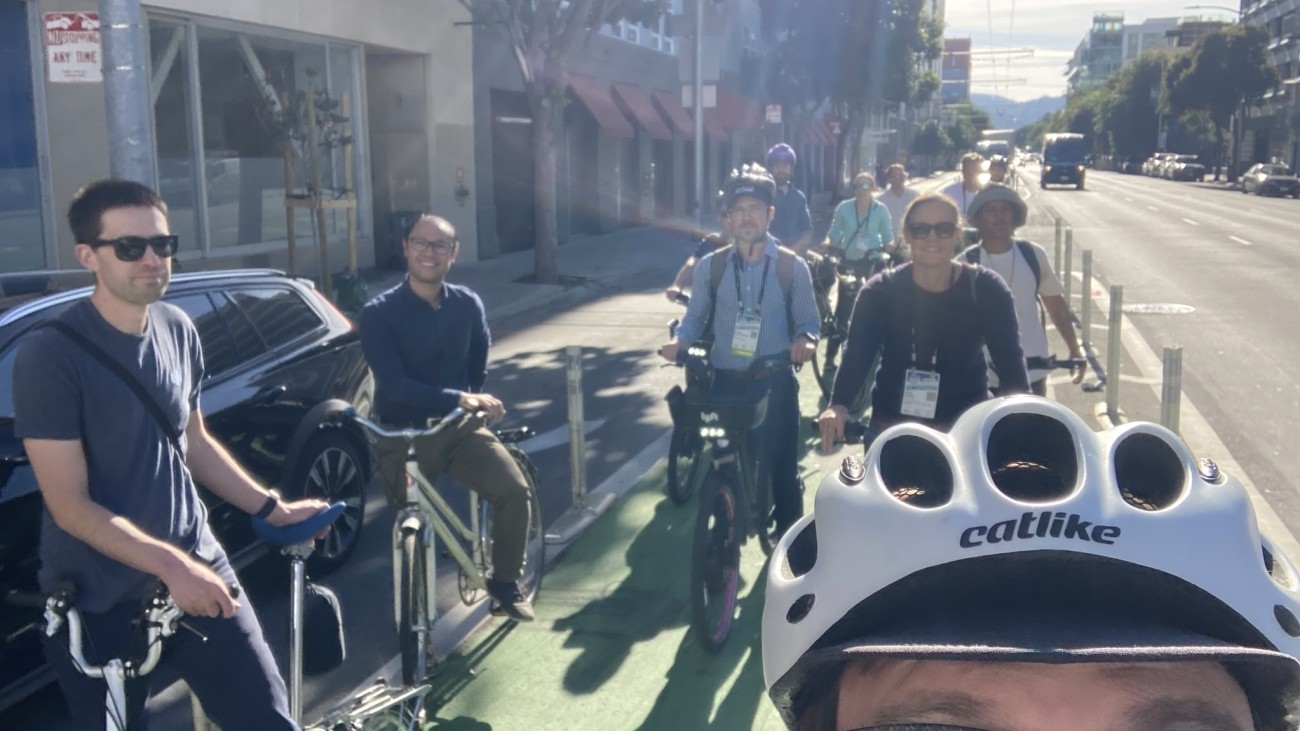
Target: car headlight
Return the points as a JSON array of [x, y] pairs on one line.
[[1047, 168], [1079, 168]]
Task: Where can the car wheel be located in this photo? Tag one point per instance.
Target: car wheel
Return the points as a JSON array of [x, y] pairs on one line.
[[332, 467], [364, 399]]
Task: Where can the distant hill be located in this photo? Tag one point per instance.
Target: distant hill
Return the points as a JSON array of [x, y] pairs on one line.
[[1008, 114]]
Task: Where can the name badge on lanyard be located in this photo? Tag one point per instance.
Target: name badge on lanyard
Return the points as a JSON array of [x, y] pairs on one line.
[[744, 342], [920, 393]]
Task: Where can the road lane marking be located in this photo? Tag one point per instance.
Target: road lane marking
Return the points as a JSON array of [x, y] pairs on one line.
[[1188, 220], [1130, 200], [1153, 208], [1241, 241]]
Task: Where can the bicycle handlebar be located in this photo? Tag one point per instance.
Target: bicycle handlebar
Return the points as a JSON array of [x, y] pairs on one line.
[[408, 433], [855, 431], [1050, 362]]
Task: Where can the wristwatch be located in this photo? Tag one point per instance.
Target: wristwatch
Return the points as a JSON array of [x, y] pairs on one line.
[[268, 507], [812, 337]]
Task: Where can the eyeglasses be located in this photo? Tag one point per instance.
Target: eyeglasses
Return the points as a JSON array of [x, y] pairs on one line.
[[441, 246], [131, 248], [943, 229], [866, 186]]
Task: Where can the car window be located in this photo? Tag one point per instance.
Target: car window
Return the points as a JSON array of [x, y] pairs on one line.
[[247, 341], [219, 352], [279, 314]]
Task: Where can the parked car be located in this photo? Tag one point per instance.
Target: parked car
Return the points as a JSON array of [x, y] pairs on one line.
[[1184, 167], [279, 358], [1270, 178]]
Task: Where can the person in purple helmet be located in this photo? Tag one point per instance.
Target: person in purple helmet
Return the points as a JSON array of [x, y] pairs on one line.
[[792, 225]]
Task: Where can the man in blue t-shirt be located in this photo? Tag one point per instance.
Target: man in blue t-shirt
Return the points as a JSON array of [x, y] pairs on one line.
[[792, 224], [427, 343], [121, 508]]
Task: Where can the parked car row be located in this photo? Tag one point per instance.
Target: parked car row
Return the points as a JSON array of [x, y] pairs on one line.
[[1173, 166], [1270, 178], [279, 359]]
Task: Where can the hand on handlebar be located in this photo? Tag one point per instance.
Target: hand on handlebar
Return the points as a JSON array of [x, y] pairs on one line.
[[802, 350], [485, 402], [198, 590], [1079, 370], [831, 425], [669, 351]]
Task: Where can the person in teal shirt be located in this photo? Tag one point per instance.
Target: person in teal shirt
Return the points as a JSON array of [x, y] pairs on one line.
[[861, 225]]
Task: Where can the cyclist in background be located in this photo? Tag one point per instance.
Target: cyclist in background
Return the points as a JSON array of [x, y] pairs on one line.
[[1031, 575], [753, 313], [427, 343], [896, 197], [963, 189], [996, 213], [792, 224], [860, 227], [709, 244]]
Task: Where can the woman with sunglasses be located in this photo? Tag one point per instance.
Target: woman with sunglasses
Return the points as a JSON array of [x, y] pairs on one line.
[[930, 321]]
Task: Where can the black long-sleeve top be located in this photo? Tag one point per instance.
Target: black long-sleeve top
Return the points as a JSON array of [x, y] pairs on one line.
[[424, 358], [944, 331]]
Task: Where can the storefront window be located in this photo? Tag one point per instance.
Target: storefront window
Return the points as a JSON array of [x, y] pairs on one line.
[[169, 52], [22, 246]]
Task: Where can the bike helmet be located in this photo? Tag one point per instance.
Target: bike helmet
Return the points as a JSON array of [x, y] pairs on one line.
[[750, 180], [780, 152], [1022, 535]]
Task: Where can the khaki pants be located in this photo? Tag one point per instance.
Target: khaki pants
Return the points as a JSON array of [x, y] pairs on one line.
[[471, 454]]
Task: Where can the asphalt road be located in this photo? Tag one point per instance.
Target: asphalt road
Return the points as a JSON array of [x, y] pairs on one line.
[[1234, 259]]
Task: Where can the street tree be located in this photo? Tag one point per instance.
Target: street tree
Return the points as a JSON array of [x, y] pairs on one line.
[[803, 41], [931, 143], [1223, 70], [1127, 114], [544, 35]]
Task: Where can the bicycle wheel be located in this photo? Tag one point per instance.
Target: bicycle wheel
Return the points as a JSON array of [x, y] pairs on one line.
[[715, 564], [683, 464], [413, 610]]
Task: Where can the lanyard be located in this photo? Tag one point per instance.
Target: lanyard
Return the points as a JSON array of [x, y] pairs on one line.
[[740, 300], [870, 210], [924, 322]]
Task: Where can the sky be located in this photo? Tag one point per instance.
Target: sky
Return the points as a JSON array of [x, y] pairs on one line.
[[1053, 28]]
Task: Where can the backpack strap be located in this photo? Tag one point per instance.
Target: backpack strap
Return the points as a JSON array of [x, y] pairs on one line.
[[972, 254], [106, 360], [717, 265], [1031, 258], [785, 259]]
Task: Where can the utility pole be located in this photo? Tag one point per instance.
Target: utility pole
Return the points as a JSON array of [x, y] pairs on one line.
[[126, 91], [697, 96]]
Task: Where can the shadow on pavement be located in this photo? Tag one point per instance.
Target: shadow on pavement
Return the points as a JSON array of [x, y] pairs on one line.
[[456, 672]]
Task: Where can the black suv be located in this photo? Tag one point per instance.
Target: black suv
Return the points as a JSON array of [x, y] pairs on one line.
[[279, 358]]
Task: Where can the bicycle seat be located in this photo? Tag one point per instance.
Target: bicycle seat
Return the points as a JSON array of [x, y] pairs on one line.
[[288, 535], [514, 436]]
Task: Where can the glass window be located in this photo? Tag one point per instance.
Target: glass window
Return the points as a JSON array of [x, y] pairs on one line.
[[22, 243], [171, 105], [247, 341], [279, 315], [219, 353]]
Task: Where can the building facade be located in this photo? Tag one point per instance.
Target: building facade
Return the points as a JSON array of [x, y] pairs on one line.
[[1099, 55], [1272, 127], [224, 78]]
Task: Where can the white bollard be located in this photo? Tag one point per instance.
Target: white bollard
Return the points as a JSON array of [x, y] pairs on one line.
[[584, 510], [1085, 306], [1171, 388], [1113, 351]]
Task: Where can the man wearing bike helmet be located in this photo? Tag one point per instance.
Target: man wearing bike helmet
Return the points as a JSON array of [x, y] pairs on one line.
[[996, 212], [756, 312], [1023, 573], [792, 224]]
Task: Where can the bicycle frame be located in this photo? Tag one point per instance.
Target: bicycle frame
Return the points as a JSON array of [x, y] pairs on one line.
[[734, 457]]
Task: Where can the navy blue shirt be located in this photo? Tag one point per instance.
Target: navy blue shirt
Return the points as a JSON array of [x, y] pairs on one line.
[[424, 357], [792, 219]]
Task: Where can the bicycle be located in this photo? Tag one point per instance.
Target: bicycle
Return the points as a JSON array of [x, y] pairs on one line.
[[424, 514], [735, 502], [160, 618], [685, 445], [849, 278]]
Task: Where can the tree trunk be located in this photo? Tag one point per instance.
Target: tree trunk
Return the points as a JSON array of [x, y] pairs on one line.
[[1221, 152], [546, 246]]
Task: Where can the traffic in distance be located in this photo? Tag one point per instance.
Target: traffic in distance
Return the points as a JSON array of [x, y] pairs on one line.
[[898, 505]]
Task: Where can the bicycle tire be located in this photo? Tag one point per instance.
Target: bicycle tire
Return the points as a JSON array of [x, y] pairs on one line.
[[530, 581], [715, 564], [413, 614], [684, 452]]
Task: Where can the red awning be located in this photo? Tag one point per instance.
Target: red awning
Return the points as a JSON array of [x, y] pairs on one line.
[[739, 112], [820, 134], [595, 97], [638, 104], [671, 106]]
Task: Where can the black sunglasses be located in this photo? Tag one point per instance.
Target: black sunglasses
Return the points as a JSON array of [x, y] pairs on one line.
[[943, 229], [131, 248]]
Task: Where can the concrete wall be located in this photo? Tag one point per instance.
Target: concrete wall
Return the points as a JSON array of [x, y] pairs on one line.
[[414, 152]]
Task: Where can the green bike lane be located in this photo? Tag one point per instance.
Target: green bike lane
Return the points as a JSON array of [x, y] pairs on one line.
[[612, 646]]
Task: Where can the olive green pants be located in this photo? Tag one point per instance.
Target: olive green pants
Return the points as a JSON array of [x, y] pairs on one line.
[[471, 454]]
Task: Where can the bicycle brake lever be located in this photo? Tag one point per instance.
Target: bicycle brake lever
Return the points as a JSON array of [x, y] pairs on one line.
[[191, 628]]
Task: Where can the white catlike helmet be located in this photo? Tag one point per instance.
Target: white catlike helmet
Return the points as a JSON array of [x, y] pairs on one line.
[[1023, 535]]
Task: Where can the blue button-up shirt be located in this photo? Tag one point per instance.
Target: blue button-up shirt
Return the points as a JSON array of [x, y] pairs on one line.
[[792, 219], [774, 331]]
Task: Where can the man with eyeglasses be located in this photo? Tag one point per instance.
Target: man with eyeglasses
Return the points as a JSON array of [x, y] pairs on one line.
[[757, 298], [427, 343], [121, 508]]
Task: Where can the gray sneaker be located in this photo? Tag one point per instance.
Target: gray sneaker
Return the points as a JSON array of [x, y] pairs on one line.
[[508, 601]]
